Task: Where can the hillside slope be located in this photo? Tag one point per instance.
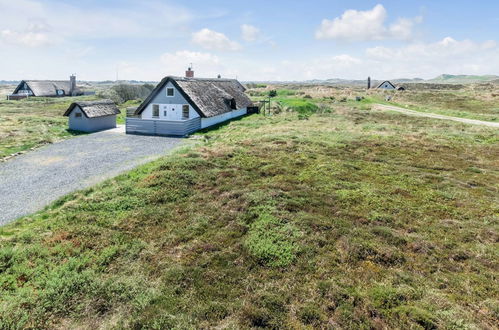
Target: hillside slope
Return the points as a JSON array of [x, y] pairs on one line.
[[463, 79], [351, 219]]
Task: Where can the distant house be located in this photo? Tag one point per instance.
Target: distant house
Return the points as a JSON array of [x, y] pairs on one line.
[[92, 116], [179, 106], [46, 88], [386, 85]]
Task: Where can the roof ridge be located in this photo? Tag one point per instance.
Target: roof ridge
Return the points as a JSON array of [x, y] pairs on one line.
[[201, 79]]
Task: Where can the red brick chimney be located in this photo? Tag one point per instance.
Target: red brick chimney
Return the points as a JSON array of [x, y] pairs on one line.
[[189, 73]]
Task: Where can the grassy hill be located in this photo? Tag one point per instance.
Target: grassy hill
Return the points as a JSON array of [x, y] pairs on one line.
[[351, 219], [463, 79]]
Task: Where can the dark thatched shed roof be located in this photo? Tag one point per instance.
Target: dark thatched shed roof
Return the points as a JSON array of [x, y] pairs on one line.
[[209, 97], [47, 88], [93, 109]]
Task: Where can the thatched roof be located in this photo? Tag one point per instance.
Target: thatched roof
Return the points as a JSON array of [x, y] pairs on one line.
[[386, 81], [47, 87], [209, 97], [93, 109]]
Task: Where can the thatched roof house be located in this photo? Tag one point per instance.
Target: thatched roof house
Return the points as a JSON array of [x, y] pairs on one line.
[[48, 88], [92, 116], [208, 97], [386, 85], [180, 106]]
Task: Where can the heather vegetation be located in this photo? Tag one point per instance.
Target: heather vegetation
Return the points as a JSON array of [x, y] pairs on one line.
[[350, 219]]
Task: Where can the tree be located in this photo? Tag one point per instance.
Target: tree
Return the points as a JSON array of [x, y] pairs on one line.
[[273, 93]]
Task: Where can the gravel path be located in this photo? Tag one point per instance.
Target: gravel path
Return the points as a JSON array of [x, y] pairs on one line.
[[31, 181], [433, 115]]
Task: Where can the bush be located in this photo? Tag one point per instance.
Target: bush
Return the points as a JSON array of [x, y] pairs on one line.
[[110, 94], [310, 314], [300, 105], [271, 241], [125, 92]]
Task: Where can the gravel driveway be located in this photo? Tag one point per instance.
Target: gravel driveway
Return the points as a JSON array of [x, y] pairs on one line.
[[31, 181], [434, 115]]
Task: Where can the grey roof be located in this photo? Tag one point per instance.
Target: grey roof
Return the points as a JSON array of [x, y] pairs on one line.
[[47, 87], [93, 109], [209, 97]]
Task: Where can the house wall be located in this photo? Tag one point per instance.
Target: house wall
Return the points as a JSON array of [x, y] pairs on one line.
[[85, 124], [206, 122], [170, 107], [162, 127], [386, 86]]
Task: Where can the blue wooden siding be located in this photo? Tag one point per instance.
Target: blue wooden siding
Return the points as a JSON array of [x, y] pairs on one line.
[[162, 127]]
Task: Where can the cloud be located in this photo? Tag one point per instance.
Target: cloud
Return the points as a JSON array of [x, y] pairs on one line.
[[212, 40], [249, 32], [205, 64], [431, 59], [28, 38], [443, 49], [144, 19], [418, 59], [355, 25]]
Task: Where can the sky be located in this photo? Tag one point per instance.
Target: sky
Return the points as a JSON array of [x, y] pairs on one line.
[[251, 41]]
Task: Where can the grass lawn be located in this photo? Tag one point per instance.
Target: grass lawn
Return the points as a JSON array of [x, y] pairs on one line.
[[351, 219], [33, 122]]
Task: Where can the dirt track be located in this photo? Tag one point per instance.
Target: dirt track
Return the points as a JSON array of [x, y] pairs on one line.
[[433, 115]]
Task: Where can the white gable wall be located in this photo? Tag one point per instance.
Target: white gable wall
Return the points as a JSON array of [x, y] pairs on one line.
[[170, 107], [386, 85]]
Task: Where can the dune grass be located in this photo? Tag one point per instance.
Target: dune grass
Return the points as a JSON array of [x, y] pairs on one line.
[[33, 122], [352, 219], [480, 105]]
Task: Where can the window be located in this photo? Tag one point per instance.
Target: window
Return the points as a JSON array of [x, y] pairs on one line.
[[164, 113], [185, 111], [78, 115], [155, 110], [170, 92]]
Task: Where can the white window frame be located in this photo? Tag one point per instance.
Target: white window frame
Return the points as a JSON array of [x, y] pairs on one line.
[[173, 89], [188, 111], [152, 111]]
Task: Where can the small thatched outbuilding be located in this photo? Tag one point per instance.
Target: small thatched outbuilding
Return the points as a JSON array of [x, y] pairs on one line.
[[92, 116]]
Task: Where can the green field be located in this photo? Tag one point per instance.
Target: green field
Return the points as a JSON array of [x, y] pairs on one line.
[[345, 218]]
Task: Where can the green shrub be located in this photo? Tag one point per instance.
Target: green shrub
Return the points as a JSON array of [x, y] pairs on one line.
[[300, 105], [6, 258], [310, 314], [125, 92], [272, 241]]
